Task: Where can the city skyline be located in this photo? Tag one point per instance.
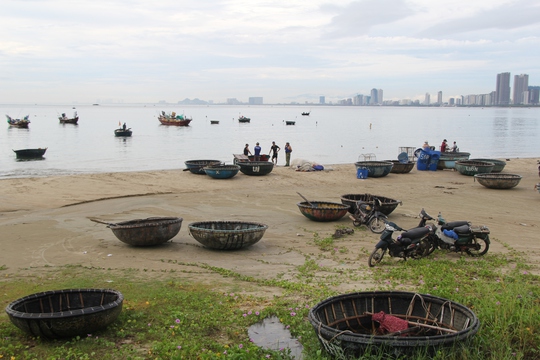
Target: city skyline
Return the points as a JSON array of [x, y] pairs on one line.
[[141, 52]]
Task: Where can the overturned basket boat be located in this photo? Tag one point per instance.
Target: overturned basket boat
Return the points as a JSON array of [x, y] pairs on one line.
[[66, 313], [388, 204], [498, 181], [346, 324], [145, 232], [375, 168], [322, 210], [227, 235]]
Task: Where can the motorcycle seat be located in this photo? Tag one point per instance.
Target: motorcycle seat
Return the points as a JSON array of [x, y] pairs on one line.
[[453, 224], [463, 229], [415, 233]]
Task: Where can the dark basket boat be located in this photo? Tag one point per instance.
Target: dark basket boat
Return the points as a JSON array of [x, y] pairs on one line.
[[227, 235], [221, 171], [345, 326], [387, 204], [197, 166], [322, 210], [30, 153], [375, 168], [147, 232], [498, 181], [256, 168], [471, 167], [401, 168], [499, 164], [123, 133], [66, 313]]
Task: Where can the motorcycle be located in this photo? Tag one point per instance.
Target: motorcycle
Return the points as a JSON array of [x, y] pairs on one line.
[[369, 214], [458, 236], [412, 243]]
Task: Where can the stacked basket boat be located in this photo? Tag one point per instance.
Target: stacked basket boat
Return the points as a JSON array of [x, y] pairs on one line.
[[375, 169]]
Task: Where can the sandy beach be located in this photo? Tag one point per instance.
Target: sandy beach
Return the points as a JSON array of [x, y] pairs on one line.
[[45, 222]]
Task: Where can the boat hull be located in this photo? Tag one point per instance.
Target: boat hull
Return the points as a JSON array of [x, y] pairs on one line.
[[30, 153]]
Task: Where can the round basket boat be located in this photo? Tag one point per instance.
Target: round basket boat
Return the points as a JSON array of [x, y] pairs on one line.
[[499, 164], [221, 171], [197, 166], [388, 204], [256, 168], [322, 210], [66, 313], [147, 232], [401, 168], [471, 168], [227, 235], [375, 168], [498, 181], [345, 324]]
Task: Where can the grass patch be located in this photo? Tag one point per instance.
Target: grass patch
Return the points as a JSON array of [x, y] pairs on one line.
[[165, 317]]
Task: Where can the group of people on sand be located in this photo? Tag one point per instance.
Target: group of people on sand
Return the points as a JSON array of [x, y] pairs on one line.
[[444, 146], [273, 152]]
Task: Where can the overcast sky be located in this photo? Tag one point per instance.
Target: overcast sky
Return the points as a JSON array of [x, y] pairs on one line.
[[64, 51]]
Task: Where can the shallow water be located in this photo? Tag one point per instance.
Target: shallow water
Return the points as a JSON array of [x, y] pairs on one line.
[[330, 135], [272, 334]]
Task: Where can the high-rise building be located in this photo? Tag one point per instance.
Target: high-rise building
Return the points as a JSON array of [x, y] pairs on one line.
[[534, 95], [256, 100], [521, 88], [427, 99], [503, 89], [439, 97], [321, 100], [380, 96], [374, 97]]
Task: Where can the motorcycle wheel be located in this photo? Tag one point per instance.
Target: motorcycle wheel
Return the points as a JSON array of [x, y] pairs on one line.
[[376, 256], [481, 244], [429, 246], [377, 225]]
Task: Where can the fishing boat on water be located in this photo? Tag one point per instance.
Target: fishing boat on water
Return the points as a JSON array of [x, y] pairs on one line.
[[20, 123], [65, 120], [123, 131], [30, 153], [243, 119], [173, 119], [306, 113]]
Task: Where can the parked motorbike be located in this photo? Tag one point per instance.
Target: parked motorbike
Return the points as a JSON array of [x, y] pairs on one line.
[[412, 243], [369, 214], [458, 236]]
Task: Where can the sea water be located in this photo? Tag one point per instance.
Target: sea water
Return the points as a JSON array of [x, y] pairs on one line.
[[329, 135]]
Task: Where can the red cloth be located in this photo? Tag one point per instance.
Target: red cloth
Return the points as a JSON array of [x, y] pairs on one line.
[[389, 323]]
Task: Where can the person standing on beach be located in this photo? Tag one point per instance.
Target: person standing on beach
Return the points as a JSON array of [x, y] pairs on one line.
[[257, 149], [444, 146], [274, 149], [247, 151], [288, 151]]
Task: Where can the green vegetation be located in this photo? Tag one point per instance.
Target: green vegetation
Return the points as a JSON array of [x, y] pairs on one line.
[[166, 317]]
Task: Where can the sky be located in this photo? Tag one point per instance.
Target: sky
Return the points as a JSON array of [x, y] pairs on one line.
[[137, 51]]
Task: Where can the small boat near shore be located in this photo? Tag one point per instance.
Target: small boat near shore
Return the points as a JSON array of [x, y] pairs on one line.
[[306, 113], [30, 153], [173, 119], [20, 123], [243, 119], [123, 132], [65, 120]]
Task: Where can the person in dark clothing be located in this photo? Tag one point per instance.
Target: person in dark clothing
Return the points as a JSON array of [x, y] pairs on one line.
[[257, 149], [274, 149], [246, 150]]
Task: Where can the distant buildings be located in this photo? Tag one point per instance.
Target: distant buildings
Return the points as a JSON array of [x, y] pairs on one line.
[[502, 89], [322, 100], [521, 89], [255, 101]]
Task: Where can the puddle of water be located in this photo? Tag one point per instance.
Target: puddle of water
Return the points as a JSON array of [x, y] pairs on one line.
[[272, 334]]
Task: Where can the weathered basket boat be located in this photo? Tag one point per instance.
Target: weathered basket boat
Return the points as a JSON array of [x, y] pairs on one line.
[[197, 166], [123, 132], [345, 324], [322, 210], [498, 181], [388, 204], [30, 153], [66, 313], [147, 232], [221, 171], [447, 160], [375, 168], [401, 168], [256, 168], [471, 168], [499, 164], [227, 235]]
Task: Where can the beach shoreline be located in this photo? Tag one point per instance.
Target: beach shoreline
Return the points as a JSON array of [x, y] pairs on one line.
[[45, 222]]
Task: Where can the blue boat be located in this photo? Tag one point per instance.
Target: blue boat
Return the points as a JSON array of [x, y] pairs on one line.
[[222, 171]]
